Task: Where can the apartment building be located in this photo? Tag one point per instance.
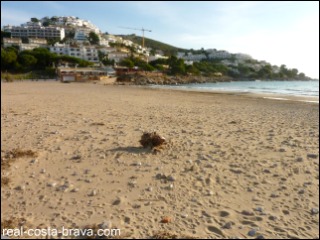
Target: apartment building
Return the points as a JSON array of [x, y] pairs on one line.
[[87, 53], [117, 56], [37, 32], [8, 42], [33, 43]]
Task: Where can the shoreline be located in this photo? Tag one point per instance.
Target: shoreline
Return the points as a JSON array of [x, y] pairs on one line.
[[234, 165], [267, 96]]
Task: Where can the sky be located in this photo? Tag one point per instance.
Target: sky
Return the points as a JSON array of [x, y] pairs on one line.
[[277, 32]]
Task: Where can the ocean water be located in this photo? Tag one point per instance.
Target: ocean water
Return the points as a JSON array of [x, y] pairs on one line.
[[292, 88]]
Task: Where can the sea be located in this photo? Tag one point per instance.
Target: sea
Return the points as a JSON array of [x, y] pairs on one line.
[[308, 90]]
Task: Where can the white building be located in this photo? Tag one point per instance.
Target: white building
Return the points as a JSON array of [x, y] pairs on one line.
[[214, 54], [81, 35], [8, 42], [33, 43], [242, 56], [156, 57], [127, 43], [103, 42], [87, 53], [113, 39], [108, 50], [117, 56], [38, 32]]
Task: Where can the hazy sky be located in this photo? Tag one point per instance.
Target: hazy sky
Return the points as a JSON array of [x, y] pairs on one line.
[[278, 32]]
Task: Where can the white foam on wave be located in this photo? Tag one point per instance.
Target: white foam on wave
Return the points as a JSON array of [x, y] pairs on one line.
[[285, 99]]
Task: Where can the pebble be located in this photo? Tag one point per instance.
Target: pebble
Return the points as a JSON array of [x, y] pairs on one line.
[[34, 161], [301, 191], [62, 188], [184, 215], [138, 164], [75, 190], [105, 225], [274, 195], [208, 181], [249, 189], [247, 213], [209, 165], [132, 183], [43, 170], [312, 155], [194, 199], [314, 211], [259, 209], [93, 193], [273, 218], [260, 237], [171, 178], [21, 188], [76, 157], [299, 159], [200, 178], [127, 220], [210, 193], [51, 184], [159, 176], [252, 232], [266, 171], [149, 189], [117, 201], [228, 225]]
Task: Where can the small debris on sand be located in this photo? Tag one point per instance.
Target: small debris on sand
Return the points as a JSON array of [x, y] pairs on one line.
[[151, 140]]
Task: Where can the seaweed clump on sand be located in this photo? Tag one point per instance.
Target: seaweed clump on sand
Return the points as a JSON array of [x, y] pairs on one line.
[[152, 140]]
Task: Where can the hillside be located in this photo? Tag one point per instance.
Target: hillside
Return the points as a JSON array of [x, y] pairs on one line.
[[166, 48]]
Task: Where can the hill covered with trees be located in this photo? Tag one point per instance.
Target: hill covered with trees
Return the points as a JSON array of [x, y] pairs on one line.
[[167, 49]]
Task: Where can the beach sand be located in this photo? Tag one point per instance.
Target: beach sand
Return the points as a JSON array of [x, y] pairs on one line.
[[233, 166]]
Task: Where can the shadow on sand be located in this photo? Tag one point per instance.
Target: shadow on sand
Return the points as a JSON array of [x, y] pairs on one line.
[[135, 150]]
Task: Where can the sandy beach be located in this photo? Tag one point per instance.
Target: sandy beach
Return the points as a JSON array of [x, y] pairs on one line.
[[234, 166]]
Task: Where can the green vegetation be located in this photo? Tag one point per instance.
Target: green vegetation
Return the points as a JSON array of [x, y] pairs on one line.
[[35, 20], [4, 35], [210, 68], [36, 63], [137, 62], [93, 38]]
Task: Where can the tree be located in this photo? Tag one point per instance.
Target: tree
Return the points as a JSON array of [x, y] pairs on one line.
[[4, 35], [46, 23], [93, 38], [44, 57], [27, 61], [127, 63], [265, 72], [177, 66], [192, 69], [35, 20], [8, 58]]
